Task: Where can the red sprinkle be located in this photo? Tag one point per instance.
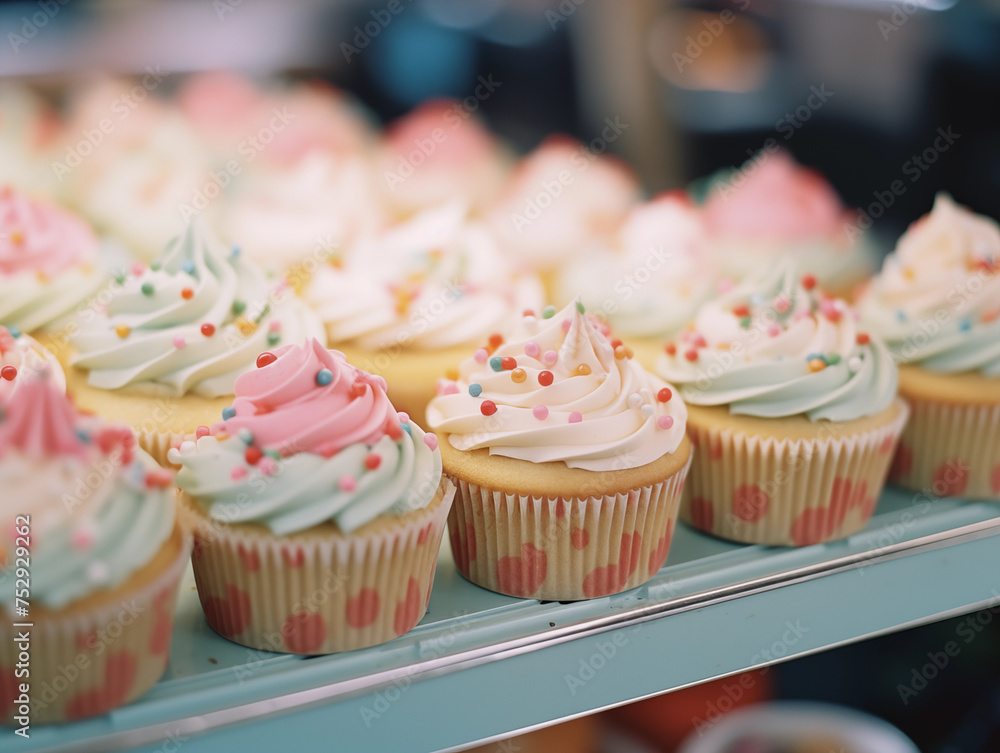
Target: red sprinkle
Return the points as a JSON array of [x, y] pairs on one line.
[[207, 329], [615, 343], [671, 349], [9, 373], [495, 341], [741, 310], [488, 407], [265, 359], [664, 395], [508, 363], [528, 312], [187, 294], [393, 430], [373, 461], [808, 282], [253, 455], [201, 431], [545, 378], [863, 338], [691, 355]]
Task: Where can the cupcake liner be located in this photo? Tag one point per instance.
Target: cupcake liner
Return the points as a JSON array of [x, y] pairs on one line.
[[86, 664], [563, 548], [158, 444], [787, 492], [315, 594], [950, 450]]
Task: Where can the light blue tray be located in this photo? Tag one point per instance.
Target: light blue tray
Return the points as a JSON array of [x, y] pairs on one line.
[[481, 666]]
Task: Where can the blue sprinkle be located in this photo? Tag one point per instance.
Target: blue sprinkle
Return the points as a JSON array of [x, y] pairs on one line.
[[811, 356], [496, 363], [83, 436], [324, 377], [965, 324], [14, 331], [188, 267], [406, 428], [475, 390], [228, 413], [235, 251], [246, 437], [901, 315]]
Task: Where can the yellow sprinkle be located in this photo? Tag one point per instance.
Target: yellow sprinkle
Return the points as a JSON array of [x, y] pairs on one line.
[[123, 330], [817, 364], [583, 370], [245, 326], [451, 374], [17, 237], [518, 375], [908, 273]]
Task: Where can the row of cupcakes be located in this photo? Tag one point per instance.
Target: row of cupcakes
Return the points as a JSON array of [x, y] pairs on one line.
[[278, 168]]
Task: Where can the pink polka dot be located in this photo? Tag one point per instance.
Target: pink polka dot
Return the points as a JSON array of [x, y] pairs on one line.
[[902, 462], [750, 503], [522, 576], [363, 608], [293, 557], [612, 578], [304, 633], [995, 480], [579, 538], [659, 554], [229, 616], [119, 675], [251, 560], [950, 479], [408, 611], [886, 447]]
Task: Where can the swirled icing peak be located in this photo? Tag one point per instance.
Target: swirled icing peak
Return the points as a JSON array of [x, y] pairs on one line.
[[190, 322], [936, 301], [309, 399], [99, 508], [558, 388], [309, 439], [776, 346]]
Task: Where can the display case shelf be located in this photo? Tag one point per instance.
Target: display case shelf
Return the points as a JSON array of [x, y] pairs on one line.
[[481, 666]]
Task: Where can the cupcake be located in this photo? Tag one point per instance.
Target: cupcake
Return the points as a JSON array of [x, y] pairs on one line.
[[318, 510], [410, 303], [936, 303], [793, 410], [107, 554], [23, 359], [435, 154], [648, 280], [569, 459], [164, 355], [559, 199], [48, 263], [775, 209]]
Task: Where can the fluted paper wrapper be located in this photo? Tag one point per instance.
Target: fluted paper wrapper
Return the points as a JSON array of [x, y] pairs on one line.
[[315, 594], [83, 665], [785, 492], [950, 450], [563, 548], [158, 444]]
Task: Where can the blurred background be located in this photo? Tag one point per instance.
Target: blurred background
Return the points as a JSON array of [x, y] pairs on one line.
[[696, 86], [869, 92]]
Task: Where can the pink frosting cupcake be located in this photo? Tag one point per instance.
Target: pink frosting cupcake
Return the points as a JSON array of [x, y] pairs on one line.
[[776, 209], [437, 153]]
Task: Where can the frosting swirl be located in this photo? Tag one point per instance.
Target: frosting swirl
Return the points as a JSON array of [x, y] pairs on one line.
[[937, 300], [558, 389], [433, 282], [310, 439], [23, 359], [651, 278], [774, 346], [191, 322], [99, 508], [46, 262]]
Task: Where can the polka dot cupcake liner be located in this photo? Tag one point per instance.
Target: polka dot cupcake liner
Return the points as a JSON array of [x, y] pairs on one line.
[[787, 492], [563, 548], [85, 662], [320, 591], [950, 450]]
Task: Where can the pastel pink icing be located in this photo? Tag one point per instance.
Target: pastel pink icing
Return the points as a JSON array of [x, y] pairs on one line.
[[778, 199], [41, 423], [39, 237], [469, 143], [285, 408]]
